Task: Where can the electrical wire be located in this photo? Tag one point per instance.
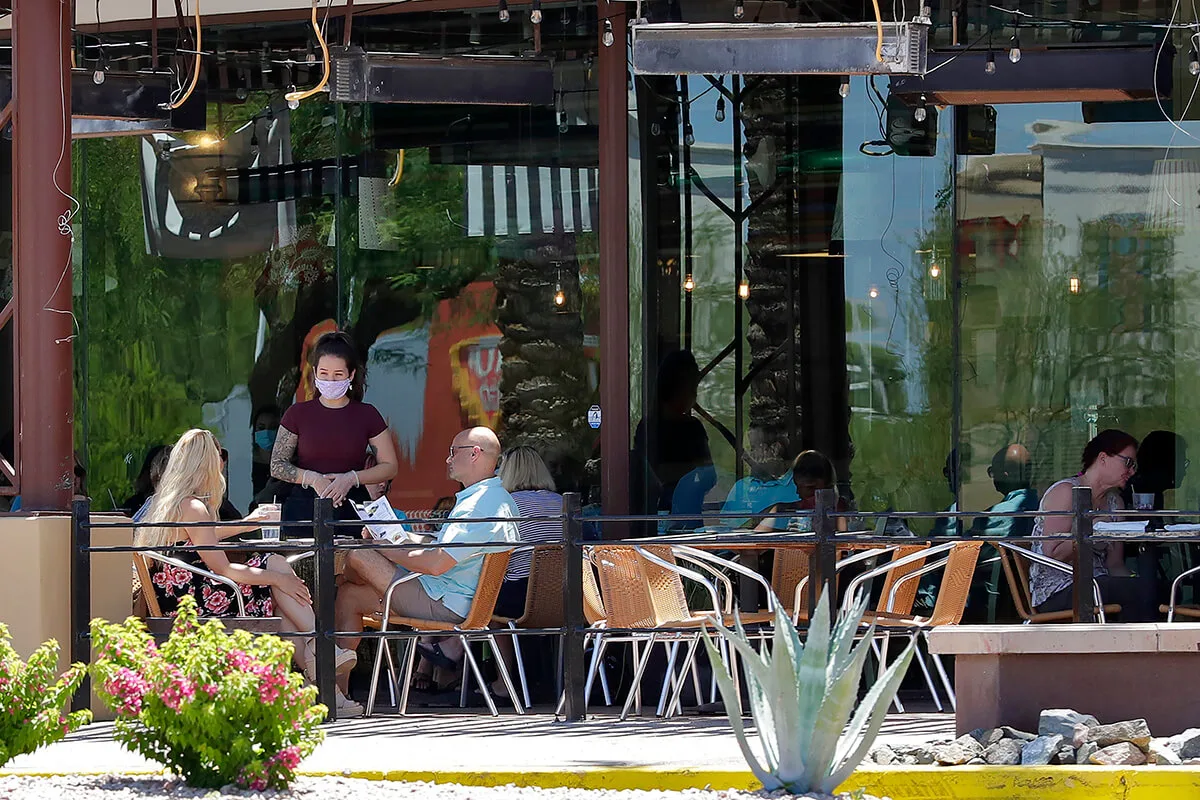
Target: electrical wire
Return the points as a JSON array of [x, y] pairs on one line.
[[195, 69], [64, 219], [296, 97], [878, 31]]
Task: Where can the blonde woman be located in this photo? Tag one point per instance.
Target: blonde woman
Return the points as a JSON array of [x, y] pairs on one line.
[[190, 492]]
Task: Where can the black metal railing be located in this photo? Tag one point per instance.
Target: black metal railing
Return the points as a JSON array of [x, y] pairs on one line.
[[824, 539]]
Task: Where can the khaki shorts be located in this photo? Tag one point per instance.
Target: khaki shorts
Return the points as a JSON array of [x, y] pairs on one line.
[[411, 600]]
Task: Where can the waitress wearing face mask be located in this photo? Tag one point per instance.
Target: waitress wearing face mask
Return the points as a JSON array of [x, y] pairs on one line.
[[321, 445]]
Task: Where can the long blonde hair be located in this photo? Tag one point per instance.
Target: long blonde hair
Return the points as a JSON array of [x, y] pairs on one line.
[[194, 470]]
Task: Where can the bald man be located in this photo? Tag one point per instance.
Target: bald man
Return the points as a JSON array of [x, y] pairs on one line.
[[446, 577]]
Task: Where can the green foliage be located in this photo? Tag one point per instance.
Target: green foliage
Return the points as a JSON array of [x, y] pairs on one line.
[[214, 708], [33, 697], [802, 697]]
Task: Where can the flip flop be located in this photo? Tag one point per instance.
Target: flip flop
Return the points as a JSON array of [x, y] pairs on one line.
[[435, 656]]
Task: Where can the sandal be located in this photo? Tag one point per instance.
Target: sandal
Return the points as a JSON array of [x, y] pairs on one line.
[[423, 684], [434, 655]]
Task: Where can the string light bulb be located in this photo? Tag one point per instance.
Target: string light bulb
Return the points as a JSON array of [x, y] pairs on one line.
[[1014, 53], [844, 87], [739, 9], [608, 37], [535, 14], [689, 136], [689, 283], [934, 271], [1074, 285], [1193, 62], [563, 125], [720, 116], [990, 66], [744, 290], [503, 8], [919, 113], [873, 293], [98, 76], [560, 297]]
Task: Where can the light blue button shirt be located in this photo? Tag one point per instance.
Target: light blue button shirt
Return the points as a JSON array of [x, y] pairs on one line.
[[456, 587]]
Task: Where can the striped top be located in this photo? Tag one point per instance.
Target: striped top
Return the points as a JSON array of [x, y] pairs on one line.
[[537, 503]]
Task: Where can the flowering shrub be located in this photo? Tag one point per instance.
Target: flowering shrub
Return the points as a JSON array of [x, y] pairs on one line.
[[215, 708], [32, 699]]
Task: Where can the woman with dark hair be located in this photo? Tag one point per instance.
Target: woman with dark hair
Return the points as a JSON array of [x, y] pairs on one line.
[[1109, 461], [321, 445]]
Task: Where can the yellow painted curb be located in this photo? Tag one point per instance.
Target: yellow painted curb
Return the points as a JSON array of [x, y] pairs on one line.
[[898, 783]]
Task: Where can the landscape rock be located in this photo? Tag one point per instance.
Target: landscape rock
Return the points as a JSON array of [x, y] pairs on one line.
[[914, 755], [1071, 725], [1062, 721], [1121, 754], [960, 751], [975, 762], [1161, 752], [1085, 752], [1013, 733], [883, 755], [1006, 752], [1187, 744], [1066, 755], [1041, 750], [1134, 730], [990, 736]]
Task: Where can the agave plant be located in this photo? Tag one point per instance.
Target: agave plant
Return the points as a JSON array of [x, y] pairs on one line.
[[802, 697]]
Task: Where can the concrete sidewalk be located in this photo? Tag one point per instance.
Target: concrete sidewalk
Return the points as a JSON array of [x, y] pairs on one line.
[[456, 740]]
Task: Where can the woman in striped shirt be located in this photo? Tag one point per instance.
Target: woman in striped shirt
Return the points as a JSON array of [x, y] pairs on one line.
[[526, 477]]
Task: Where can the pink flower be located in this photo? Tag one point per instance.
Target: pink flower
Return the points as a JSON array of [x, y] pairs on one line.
[[289, 758], [129, 689], [179, 691]]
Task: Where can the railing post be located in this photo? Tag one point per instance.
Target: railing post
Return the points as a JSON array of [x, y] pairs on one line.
[[823, 569], [574, 666], [1082, 597], [325, 588], [81, 597]]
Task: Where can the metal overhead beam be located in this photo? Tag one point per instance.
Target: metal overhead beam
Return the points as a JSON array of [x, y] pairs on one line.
[[785, 48]]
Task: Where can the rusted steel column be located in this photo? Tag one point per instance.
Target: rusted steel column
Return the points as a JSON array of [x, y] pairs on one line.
[[41, 252], [614, 264]]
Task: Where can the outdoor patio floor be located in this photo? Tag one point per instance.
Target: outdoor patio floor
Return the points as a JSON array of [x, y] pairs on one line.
[[457, 740]]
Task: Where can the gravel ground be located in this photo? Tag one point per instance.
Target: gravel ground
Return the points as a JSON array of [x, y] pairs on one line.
[[114, 787]]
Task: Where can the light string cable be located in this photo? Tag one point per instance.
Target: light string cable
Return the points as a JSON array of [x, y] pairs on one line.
[[64, 219], [294, 98], [177, 102], [1193, 40]]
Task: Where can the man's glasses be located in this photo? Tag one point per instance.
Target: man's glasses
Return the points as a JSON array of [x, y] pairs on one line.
[[461, 447]]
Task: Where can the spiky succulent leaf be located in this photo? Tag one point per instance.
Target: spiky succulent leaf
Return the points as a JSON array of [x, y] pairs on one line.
[[835, 712], [859, 737], [733, 705]]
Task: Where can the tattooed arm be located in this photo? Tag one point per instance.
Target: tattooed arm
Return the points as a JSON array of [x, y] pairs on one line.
[[281, 457]]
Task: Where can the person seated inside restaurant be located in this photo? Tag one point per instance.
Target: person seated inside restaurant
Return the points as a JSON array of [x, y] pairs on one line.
[[1109, 460], [1010, 471], [447, 577], [811, 472]]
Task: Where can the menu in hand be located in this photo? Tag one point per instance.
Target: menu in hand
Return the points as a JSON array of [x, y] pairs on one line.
[[381, 511]]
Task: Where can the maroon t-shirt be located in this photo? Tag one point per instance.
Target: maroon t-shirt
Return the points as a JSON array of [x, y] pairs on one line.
[[332, 440]]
